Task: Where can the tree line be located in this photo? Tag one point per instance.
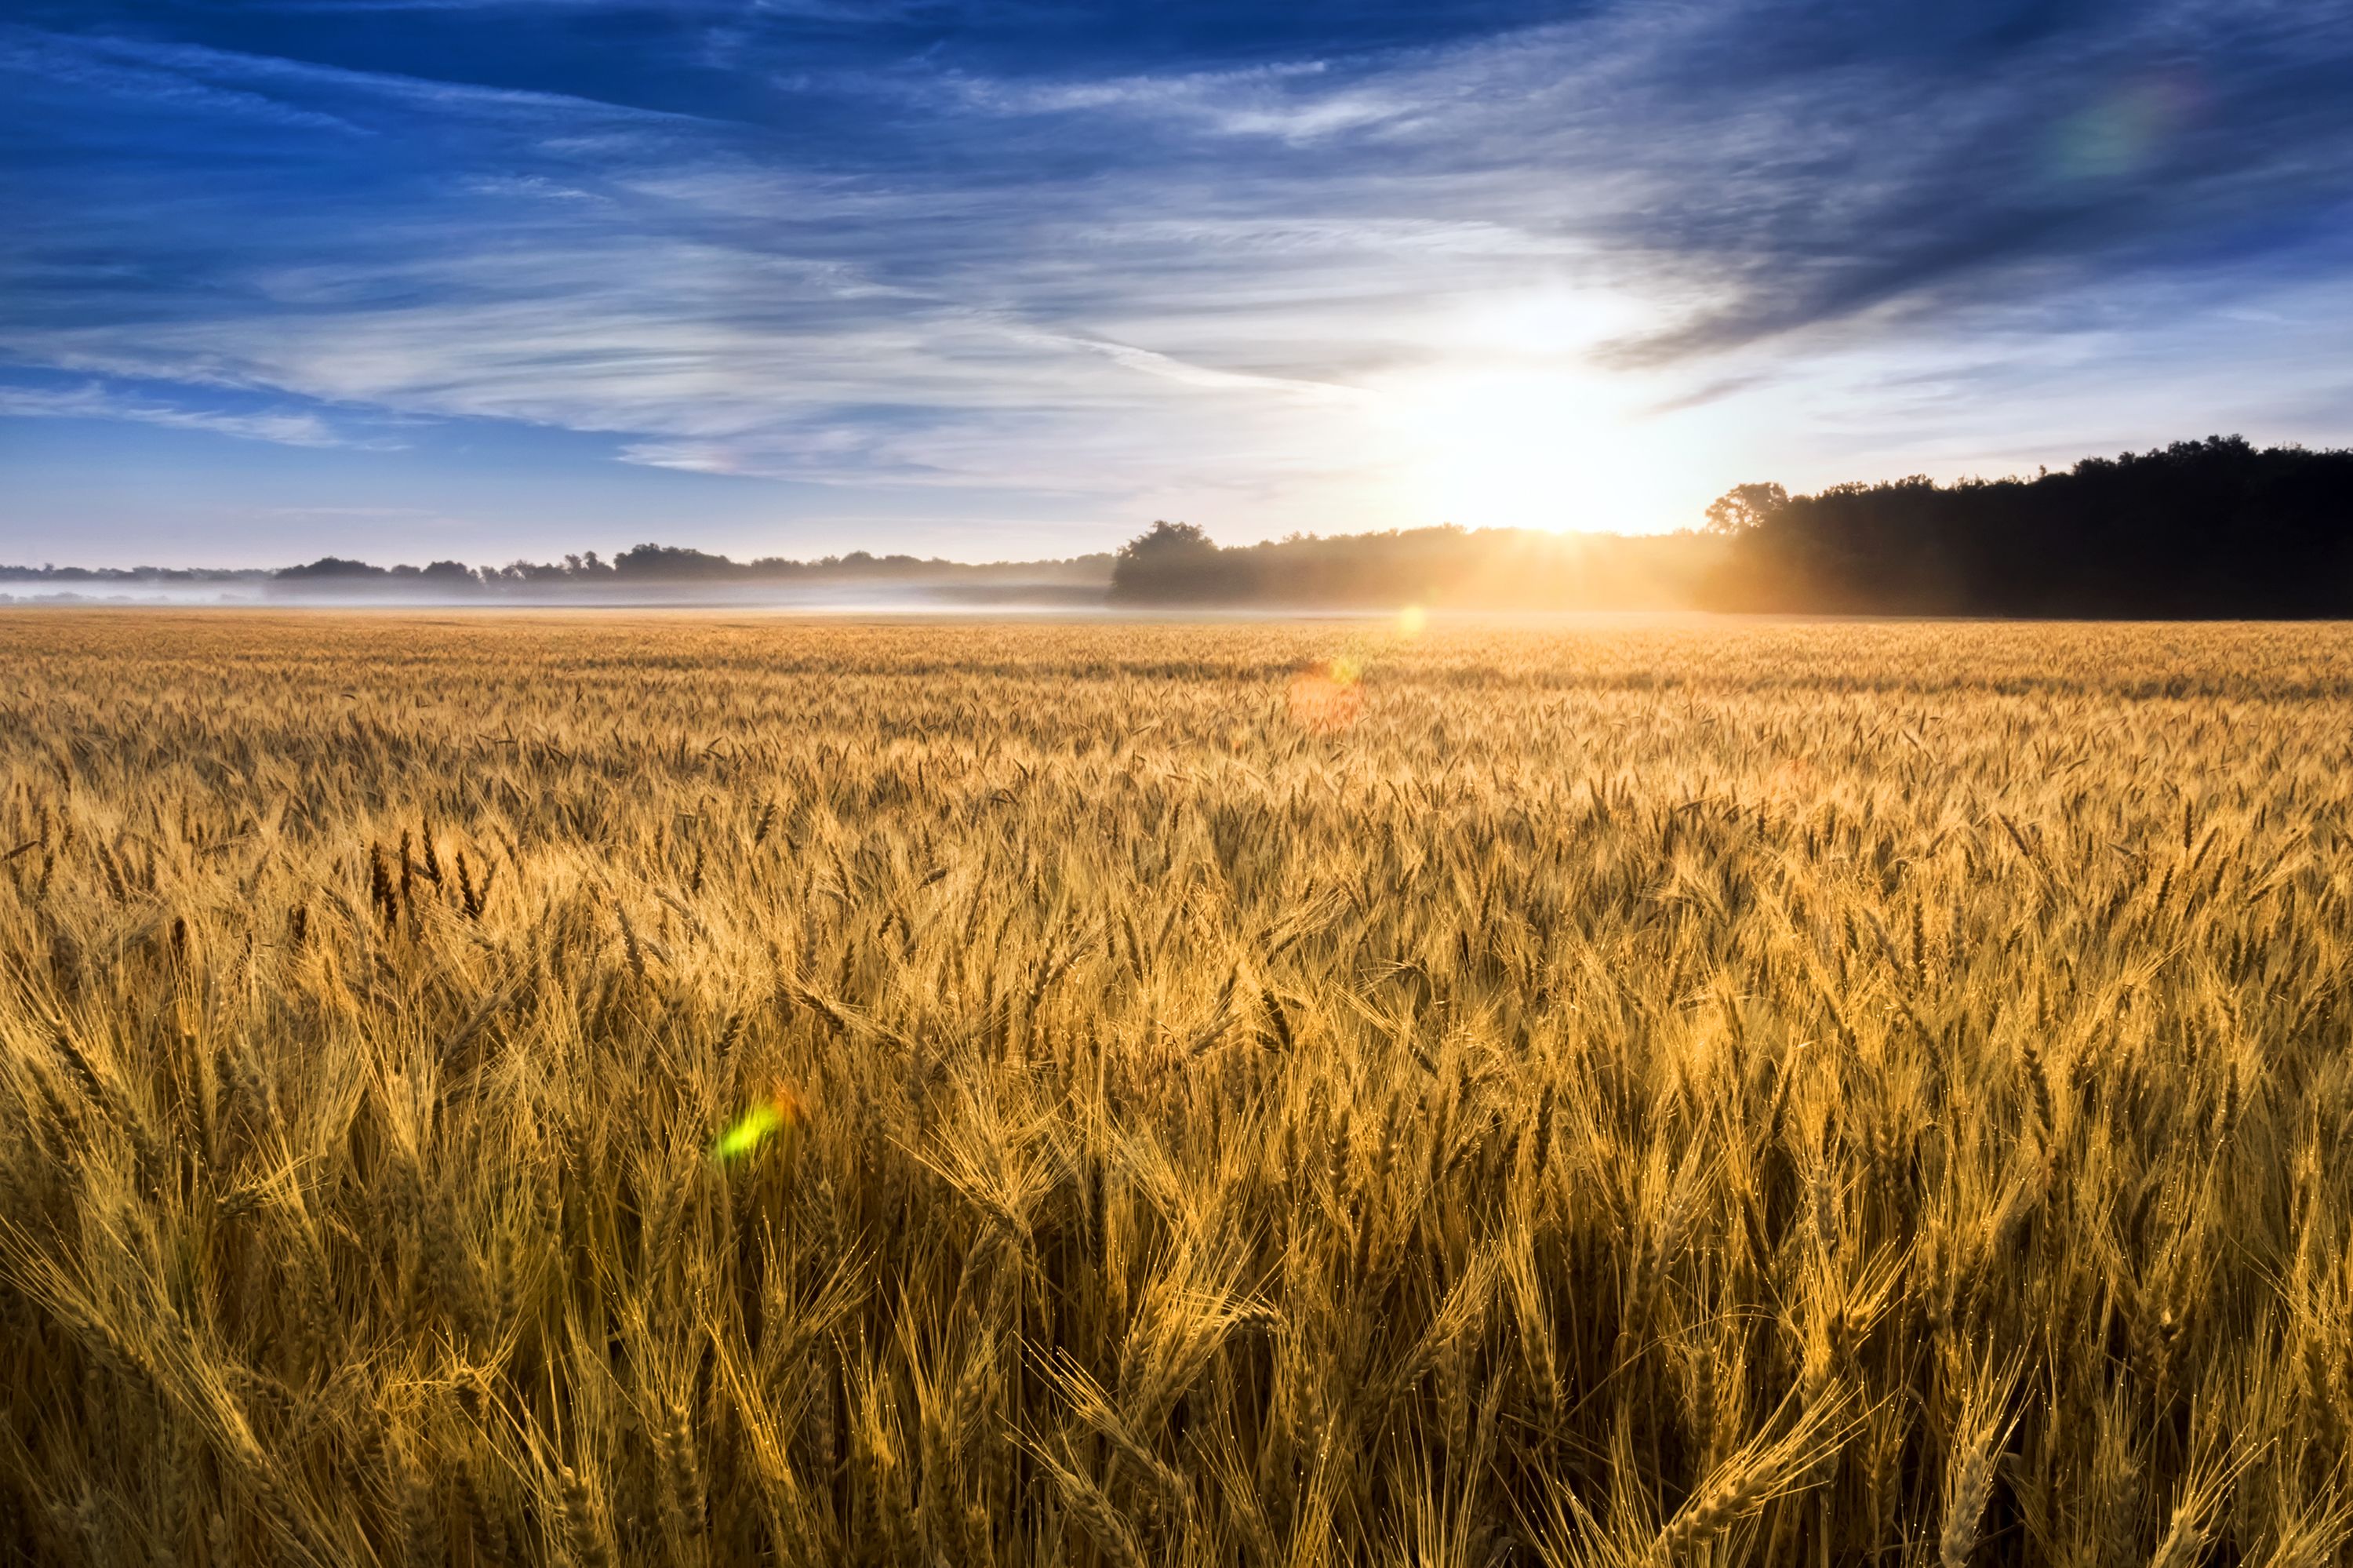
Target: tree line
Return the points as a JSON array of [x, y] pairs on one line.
[[652, 566], [2204, 528], [2213, 528], [1496, 569], [2198, 529]]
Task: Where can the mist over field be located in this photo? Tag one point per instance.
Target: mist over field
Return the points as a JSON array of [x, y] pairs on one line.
[[2204, 529]]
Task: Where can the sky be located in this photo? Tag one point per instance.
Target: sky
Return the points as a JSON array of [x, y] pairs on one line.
[[417, 279]]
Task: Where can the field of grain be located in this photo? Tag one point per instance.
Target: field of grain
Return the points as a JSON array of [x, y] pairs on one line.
[[695, 1090]]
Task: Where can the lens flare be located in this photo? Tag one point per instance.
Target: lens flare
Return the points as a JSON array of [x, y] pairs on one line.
[[1328, 697], [2123, 131], [783, 1111]]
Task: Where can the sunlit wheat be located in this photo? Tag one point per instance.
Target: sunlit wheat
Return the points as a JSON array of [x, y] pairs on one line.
[[606, 1090]]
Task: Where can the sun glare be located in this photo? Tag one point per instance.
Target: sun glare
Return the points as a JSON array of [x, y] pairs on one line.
[[1535, 450]]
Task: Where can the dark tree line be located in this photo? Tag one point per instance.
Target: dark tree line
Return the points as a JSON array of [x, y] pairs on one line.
[[2211, 528]]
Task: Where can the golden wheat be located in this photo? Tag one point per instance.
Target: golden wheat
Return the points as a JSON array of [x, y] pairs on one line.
[[713, 1090]]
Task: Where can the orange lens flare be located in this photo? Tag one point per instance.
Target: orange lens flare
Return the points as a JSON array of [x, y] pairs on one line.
[[1328, 697]]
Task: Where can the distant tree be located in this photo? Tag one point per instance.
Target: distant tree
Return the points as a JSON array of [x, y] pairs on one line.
[[1166, 539], [670, 561], [325, 566], [1171, 561], [449, 573], [1745, 506]]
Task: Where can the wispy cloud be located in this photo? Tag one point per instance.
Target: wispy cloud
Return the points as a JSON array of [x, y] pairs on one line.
[[97, 402], [1298, 102]]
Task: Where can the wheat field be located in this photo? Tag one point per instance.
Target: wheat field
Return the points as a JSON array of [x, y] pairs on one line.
[[600, 1089]]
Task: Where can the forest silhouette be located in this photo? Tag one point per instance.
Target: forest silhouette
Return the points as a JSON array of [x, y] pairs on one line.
[[2208, 528]]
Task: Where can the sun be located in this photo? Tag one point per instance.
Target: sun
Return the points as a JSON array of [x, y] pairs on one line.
[[1511, 420], [1510, 448]]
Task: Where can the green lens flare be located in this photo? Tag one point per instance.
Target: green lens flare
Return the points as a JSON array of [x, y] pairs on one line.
[[748, 1133]]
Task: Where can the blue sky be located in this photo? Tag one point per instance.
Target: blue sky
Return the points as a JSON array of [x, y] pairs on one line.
[[416, 278]]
